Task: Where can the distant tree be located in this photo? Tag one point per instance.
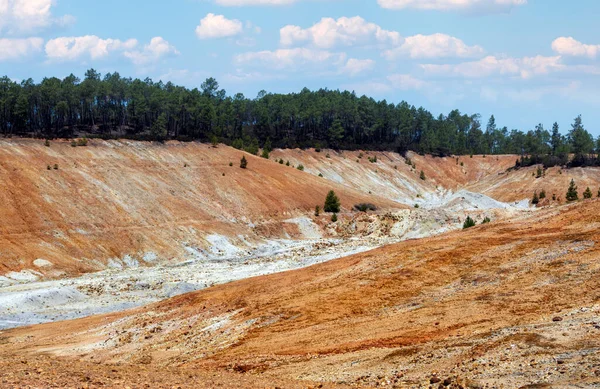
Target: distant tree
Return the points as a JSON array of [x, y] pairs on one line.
[[159, 128], [238, 144], [587, 194], [244, 163], [572, 192], [539, 172], [267, 148], [581, 140], [422, 176], [336, 133], [214, 140], [543, 194], [317, 211], [487, 220], [332, 203], [469, 222]]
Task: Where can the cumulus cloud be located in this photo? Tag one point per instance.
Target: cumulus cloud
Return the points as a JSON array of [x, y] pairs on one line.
[[354, 67], [83, 47], [525, 67], [571, 47], [344, 31], [453, 5], [152, 52], [11, 49], [433, 46], [218, 26], [290, 58], [29, 15]]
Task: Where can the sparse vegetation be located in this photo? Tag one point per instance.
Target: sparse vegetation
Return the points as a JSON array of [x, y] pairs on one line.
[[244, 163], [543, 194], [332, 203], [587, 194], [487, 220], [535, 200], [300, 167], [469, 222], [317, 211], [422, 175], [47, 143], [364, 207], [572, 194], [334, 218]]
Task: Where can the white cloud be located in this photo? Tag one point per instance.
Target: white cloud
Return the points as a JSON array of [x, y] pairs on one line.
[[406, 82], [83, 47], [525, 67], [354, 66], [453, 5], [433, 46], [157, 48], [11, 49], [344, 31], [290, 58], [29, 15], [571, 47], [218, 26]]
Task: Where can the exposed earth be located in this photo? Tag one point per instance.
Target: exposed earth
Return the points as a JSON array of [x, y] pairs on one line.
[[202, 274]]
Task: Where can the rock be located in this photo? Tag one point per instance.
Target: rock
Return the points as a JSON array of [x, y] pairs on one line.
[[447, 382], [557, 319], [434, 380]]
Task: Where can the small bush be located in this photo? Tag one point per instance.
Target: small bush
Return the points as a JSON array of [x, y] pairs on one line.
[[317, 211], [572, 192], [287, 163], [334, 218], [373, 159], [536, 199], [47, 143], [83, 142], [73, 143], [321, 175], [543, 194], [300, 167], [360, 156], [55, 166], [462, 164], [487, 220], [332, 203], [230, 164], [417, 206], [244, 163], [281, 161], [364, 207], [587, 194], [265, 154], [49, 167], [539, 173], [469, 223], [327, 155], [422, 176]]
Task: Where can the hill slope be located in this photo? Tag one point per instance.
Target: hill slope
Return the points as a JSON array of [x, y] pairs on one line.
[[123, 203], [509, 304]]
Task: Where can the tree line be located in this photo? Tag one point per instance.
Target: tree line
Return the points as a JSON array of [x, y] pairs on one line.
[[112, 106]]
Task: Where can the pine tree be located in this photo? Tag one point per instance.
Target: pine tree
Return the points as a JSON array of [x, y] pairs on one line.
[[336, 133], [587, 194], [317, 211], [543, 194], [244, 163], [535, 200], [334, 217], [332, 203], [159, 127], [572, 192], [469, 223], [423, 175]]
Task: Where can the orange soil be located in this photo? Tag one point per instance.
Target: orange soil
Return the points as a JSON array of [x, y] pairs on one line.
[[478, 303], [118, 198]]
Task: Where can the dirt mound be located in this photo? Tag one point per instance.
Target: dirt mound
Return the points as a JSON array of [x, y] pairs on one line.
[[67, 210], [510, 304]]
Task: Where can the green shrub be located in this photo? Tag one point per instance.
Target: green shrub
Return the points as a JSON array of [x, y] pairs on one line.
[[47, 143], [317, 211], [543, 194], [535, 200], [230, 164], [469, 222], [300, 167], [417, 206], [55, 166], [587, 194], [422, 176], [73, 143], [334, 218], [288, 163], [244, 163], [332, 203], [321, 175], [487, 220], [364, 207], [572, 192]]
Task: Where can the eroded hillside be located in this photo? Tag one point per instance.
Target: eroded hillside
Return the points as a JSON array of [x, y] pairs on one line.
[[510, 304], [69, 210]]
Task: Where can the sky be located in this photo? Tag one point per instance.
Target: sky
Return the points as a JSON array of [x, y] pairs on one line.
[[525, 61]]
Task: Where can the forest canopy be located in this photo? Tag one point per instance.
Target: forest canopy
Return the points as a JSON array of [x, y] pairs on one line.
[[112, 106]]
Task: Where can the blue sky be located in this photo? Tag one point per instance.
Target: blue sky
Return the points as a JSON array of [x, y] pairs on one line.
[[525, 61]]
